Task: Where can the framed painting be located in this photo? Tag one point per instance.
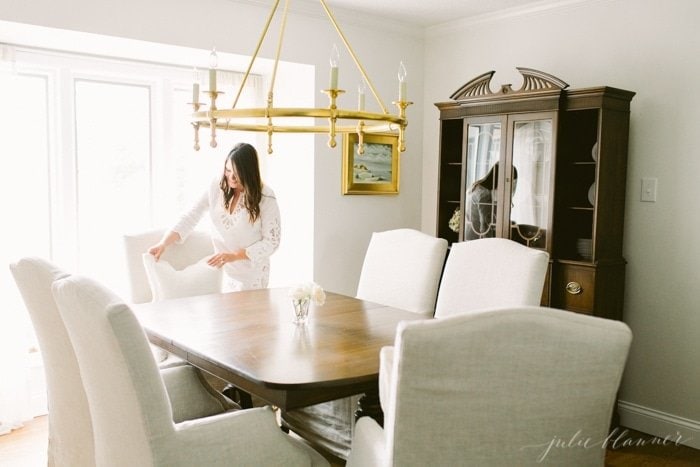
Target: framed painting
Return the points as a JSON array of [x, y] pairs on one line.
[[376, 170]]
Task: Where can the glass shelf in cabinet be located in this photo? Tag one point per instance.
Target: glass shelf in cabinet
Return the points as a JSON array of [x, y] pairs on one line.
[[575, 259]]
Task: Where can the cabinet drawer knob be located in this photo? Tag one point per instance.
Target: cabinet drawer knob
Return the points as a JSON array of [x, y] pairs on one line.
[[574, 288]]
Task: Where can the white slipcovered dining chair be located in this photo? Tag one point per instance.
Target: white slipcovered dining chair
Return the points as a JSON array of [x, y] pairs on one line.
[[490, 273], [176, 274], [497, 388], [401, 269], [179, 255], [131, 417], [182, 271], [70, 427]]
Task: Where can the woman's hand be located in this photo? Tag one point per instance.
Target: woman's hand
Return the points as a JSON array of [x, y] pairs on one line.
[[219, 259], [169, 238], [157, 250]]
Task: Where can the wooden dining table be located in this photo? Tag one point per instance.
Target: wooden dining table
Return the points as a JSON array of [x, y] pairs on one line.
[[250, 340]]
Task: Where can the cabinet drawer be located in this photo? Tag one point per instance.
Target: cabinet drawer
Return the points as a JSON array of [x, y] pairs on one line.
[[574, 288]]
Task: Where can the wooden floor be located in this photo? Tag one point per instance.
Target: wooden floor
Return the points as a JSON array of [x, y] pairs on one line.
[[26, 447], [635, 449]]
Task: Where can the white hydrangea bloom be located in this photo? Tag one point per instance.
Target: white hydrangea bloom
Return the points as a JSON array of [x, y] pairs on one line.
[[308, 291]]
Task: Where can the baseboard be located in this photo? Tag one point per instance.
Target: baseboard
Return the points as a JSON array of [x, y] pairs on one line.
[[660, 424]]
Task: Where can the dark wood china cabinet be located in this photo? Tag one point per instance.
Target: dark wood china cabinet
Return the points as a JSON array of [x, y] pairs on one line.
[[545, 166]]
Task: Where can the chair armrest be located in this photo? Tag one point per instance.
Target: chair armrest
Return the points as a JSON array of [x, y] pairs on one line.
[[386, 363], [245, 437], [190, 395], [368, 445]]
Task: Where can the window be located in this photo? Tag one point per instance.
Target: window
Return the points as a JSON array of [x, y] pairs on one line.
[[113, 159], [120, 160], [98, 147]]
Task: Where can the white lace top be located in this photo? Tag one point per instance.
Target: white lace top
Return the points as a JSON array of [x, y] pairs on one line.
[[234, 231]]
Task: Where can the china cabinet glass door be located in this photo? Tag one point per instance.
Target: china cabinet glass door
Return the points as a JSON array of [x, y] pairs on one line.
[[530, 180], [507, 178], [481, 178]]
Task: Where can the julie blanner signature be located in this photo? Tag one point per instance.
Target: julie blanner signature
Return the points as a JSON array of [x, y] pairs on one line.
[[615, 440]]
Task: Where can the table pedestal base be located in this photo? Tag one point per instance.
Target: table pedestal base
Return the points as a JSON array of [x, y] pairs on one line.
[[369, 406], [239, 396]]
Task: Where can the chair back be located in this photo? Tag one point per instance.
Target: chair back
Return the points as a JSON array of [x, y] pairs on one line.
[[167, 282], [402, 269], [127, 396], [490, 273], [70, 426], [180, 255], [499, 388]]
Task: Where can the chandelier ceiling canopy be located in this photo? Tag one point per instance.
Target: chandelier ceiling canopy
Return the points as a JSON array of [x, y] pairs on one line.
[[337, 119]]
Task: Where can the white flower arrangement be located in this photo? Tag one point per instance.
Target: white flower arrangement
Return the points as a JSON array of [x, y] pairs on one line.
[[455, 220], [308, 291]]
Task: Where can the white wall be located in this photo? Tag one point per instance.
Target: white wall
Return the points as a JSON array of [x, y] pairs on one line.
[[342, 225], [645, 46]]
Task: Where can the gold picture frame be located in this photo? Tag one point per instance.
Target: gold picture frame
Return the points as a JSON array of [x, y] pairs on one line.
[[376, 171]]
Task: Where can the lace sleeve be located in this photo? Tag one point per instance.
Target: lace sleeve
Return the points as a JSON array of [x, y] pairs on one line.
[[271, 230], [189, 220]]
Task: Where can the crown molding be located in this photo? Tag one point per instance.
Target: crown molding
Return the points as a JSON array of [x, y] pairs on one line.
[[345, 17], [532, 9]]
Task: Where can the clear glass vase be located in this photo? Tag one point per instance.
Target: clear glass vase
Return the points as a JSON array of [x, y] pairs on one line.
[[301, 310]]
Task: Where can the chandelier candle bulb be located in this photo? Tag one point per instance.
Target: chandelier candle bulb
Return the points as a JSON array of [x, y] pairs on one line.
[[334, 77], [195, 87], [402, 82], [361, 96], [212, 79], [213, 63], [335, 56]]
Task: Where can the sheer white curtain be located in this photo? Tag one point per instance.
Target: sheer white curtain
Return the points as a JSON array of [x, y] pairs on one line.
[[15, 401], [24, 204]]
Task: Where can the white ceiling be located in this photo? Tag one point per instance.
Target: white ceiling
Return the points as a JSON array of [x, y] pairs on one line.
[[427, 13]]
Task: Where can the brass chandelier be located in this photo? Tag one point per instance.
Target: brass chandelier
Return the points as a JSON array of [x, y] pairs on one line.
[[339, 120]]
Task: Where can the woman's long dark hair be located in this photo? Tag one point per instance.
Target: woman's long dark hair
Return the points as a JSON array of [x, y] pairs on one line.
[[490, 180], [244, 160]]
